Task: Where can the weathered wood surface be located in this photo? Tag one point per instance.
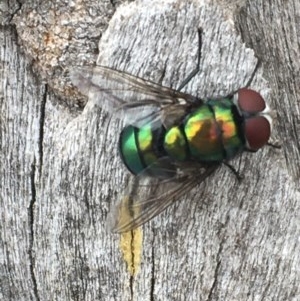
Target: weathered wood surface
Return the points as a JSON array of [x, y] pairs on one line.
[[59, 175]]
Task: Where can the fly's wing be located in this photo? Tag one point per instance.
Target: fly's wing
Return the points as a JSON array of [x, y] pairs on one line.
[[150, 196], [142, 100]]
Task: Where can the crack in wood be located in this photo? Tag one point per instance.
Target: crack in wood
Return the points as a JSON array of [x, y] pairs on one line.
[[34, 167], [31, 231], [152, 272], [20, 4], [132, 262]]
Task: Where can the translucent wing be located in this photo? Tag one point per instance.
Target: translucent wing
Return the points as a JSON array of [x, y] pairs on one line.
[[116, 90], [150, 196]]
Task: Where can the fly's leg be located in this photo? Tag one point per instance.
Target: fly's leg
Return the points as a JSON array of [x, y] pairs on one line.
[[278, 146], [273, 145], [196, 70], [235, 172], [258, 64]]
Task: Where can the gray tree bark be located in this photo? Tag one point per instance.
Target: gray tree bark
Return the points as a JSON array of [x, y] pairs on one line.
[[59, 174]]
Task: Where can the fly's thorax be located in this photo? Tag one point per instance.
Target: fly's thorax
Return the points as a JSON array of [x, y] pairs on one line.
[[229, 124], [209, 134], [257, 118], [203, 135]]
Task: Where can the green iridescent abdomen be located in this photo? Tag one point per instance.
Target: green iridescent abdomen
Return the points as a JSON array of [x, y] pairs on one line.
[[141, 151]]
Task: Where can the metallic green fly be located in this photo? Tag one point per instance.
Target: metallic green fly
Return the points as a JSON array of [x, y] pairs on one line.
[[173, 140]]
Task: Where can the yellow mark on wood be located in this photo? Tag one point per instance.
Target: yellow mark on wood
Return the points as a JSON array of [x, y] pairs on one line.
[[131, 242], [131, 247]]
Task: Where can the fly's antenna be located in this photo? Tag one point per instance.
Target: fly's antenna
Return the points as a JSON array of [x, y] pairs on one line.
[[196, 70]]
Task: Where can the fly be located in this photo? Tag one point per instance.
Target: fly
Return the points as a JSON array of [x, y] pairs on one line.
[[174, 140]]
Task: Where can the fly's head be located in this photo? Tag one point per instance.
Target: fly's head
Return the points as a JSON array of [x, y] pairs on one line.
[[257, 117]]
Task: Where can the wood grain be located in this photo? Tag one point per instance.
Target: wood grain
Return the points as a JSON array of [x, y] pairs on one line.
[[59, 175]]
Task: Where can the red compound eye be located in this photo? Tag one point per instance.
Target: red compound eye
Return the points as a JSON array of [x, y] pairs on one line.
[[250, 101], [257, 132]]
